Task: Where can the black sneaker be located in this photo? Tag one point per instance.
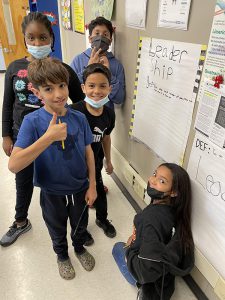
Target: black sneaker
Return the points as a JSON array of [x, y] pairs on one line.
[[14, 232], [89, 239], [107, 227]]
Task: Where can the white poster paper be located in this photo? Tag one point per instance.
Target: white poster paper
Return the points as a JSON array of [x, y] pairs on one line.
[[207, 171], [174, 14], [210, 118], [165, 99], [135, 13]]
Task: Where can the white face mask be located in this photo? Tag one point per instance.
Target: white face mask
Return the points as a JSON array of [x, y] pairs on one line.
[[39, 51], [96, 104]]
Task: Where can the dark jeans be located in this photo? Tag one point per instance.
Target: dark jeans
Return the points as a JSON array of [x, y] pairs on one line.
[[56, 211], [24, 192]]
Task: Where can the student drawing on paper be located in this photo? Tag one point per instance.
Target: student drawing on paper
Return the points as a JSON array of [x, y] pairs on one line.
[[174, 2], [221, 5]]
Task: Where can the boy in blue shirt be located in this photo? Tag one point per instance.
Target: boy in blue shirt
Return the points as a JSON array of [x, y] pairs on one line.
[[58, 140]]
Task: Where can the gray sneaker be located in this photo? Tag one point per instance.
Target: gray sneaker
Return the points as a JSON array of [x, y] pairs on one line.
[[14, 232]]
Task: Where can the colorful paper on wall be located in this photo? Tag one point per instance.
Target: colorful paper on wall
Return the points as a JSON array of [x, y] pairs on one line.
[[165, 96], [207, 170], [78, 16], [215, 57], [66, 14], [102, 8]]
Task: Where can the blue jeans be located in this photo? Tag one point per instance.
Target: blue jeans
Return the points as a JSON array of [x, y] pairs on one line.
[[118, 253]]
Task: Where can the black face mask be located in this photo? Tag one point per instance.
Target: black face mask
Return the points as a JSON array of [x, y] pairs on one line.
[[100, 41], [155, 194]]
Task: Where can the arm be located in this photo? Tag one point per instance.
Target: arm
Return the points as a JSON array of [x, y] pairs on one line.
[[23, 157], [143, 257], [106, 144], [78, 66], [91, 193], [7, 113], [75, 92]]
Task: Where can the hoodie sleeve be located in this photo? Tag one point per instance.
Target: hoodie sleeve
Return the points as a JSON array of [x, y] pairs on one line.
[[117, 95], [75, 92], [144, 261], [8, 103], [78, 64]]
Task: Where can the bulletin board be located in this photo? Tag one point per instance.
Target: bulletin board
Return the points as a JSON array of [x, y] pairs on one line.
[[168, 74]]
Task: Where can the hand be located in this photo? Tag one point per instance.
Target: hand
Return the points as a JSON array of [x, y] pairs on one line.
[[95, 56], [91, 195], [104, 61], [109, 167], [129, 241], [7, 145], [57, 132]]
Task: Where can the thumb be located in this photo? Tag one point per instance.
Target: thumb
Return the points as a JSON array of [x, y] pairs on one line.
[[53, 120]]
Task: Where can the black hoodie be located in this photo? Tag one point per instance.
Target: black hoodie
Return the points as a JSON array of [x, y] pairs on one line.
[[156, 256]]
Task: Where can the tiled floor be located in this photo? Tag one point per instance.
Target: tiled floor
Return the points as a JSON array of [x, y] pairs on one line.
[[28, 268]]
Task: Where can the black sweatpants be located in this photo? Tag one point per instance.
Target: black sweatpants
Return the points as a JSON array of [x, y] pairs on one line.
[[24, 189], [56, 210], [100, 203]]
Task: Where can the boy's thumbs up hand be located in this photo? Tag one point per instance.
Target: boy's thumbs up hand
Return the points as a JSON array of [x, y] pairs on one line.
[[57, 132], [54, 119]]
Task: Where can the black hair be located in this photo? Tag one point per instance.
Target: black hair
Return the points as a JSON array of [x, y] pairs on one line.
[[40, 18], [97, 68], [100, 21], [49, 69], [182, 204]]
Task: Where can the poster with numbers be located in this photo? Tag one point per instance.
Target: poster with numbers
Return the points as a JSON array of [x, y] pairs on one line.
[[207, 171]]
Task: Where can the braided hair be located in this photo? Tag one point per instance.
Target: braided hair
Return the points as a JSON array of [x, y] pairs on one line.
[[40, 18]]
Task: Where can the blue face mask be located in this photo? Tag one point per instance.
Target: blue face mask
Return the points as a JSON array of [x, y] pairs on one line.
[[96, 104], [39, 51]]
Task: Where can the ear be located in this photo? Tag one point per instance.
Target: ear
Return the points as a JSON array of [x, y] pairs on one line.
[[83, 88], [89, 38], [37, 93]]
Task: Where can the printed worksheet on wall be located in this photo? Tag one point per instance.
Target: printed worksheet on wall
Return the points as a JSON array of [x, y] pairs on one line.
[[174, 14]]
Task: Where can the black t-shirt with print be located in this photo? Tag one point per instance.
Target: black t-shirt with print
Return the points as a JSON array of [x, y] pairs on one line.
[[100, 125], [19, 100]]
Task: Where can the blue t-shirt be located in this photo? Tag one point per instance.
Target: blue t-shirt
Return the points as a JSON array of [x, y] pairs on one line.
[[57, 170]]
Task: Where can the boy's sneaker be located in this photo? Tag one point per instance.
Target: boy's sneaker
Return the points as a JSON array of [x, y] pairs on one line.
[[66, 270], [107, 227], [89, 239], [14, 232], [87, 260]]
